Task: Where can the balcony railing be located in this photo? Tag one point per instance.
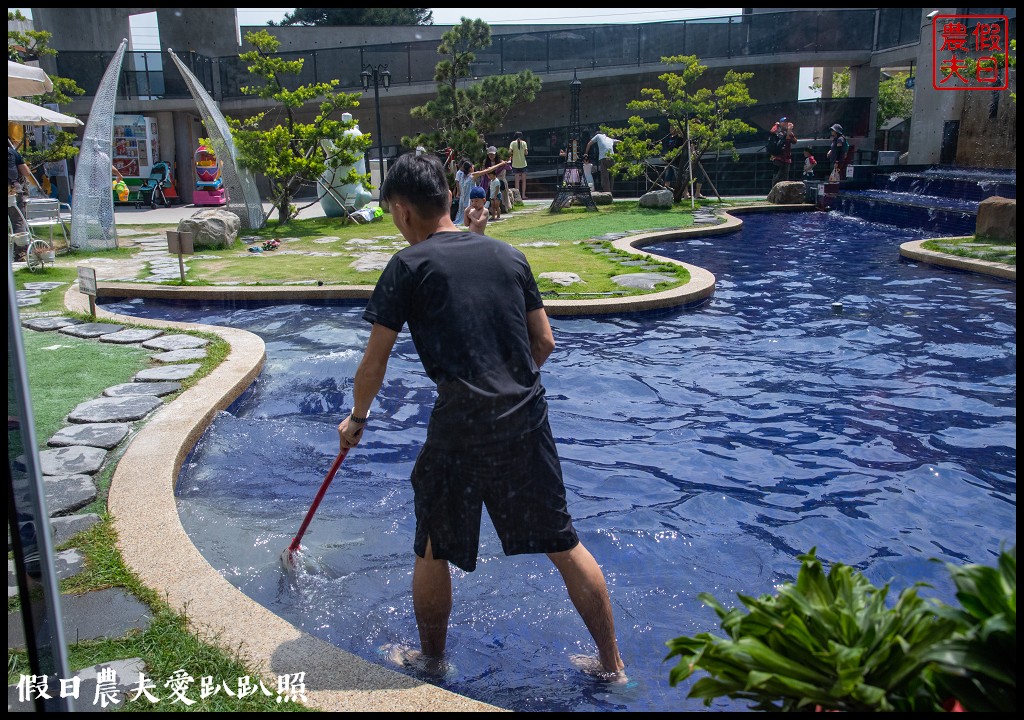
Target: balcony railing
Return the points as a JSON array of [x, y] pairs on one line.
[[153, 75]]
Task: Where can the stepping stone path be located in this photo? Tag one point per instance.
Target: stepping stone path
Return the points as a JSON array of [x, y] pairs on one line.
[[76, 453]]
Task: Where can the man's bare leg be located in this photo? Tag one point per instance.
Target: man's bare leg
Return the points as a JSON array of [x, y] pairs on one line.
[[432, 601], [589, 594]]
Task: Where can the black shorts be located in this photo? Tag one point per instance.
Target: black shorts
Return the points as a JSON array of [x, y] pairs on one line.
[[519, 481]]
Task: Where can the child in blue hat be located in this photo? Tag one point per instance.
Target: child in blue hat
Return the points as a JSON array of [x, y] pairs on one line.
[[477, 213]]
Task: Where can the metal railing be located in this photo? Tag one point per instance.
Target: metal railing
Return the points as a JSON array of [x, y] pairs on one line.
[[152, 75]]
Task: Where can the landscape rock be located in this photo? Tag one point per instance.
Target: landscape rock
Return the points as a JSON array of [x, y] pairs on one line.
[[788, 192], [211, 228], [997, 219]]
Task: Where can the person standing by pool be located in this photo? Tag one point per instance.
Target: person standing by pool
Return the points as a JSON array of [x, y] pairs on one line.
[[480, 329], [605, 151], [464, 182], [519, 150], [838, 153]]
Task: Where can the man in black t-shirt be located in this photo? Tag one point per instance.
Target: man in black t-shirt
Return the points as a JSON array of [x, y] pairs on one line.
[[18, 175], [479, 326]]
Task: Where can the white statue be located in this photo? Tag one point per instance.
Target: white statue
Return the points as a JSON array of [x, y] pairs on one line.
[[333, 189]]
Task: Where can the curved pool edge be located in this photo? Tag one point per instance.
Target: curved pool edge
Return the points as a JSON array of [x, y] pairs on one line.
[[914, 250], [156, 547]]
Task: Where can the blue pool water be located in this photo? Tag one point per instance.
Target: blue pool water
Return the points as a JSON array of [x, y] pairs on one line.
[[703, 449]]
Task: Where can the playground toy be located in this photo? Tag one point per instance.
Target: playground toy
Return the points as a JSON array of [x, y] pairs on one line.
[[209, 184]]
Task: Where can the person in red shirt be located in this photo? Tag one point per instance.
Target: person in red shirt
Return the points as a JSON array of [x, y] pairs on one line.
[[783, 159]]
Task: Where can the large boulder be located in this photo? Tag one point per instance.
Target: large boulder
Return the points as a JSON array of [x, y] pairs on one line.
[[656, 199], [602, 198], [997, 219], [787, 192], [211, 227]]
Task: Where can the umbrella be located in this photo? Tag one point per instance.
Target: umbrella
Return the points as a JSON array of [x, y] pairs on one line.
[[19, 111], [23, 80]]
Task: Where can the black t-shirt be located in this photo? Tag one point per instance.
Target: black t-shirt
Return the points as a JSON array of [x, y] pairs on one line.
[[14, 161], [465, 298]]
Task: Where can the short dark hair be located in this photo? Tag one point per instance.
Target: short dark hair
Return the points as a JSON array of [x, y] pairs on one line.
[[420, 181], [519, 134]]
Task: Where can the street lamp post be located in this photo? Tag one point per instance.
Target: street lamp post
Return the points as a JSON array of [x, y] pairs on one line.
[[378, 75]]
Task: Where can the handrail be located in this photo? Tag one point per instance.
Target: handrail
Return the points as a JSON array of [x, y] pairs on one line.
[[543, 52]]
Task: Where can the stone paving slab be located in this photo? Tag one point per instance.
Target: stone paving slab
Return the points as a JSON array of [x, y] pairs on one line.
[[115, 409], [127, 673], [66, 563], [67, 493], [49, 323], [72, 460], [98, 435], [109, 613], [143, 388], [91, 330], [22, 300], [562, 278], [646, 281], [169, 372], [133, 335], [65, 528], [43, 286], [178, 355], [175, 342], [69, 563]]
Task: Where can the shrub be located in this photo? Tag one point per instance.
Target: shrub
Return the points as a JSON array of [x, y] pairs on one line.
[[829, 641]]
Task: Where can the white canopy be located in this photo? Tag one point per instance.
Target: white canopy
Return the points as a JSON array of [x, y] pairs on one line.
[[25, 80], [25, 113]]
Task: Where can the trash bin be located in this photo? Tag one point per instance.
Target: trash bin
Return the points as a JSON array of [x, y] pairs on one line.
[[888, 157]]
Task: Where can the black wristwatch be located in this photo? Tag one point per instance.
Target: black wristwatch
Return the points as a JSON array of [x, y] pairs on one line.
[[357, 420]]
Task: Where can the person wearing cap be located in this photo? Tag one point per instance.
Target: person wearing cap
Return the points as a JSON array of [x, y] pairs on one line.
[[783, 161], [476, 213], [838, 151], [498, 188]]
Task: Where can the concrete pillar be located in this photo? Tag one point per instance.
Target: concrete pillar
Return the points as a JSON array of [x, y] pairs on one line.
[[184, 146], [209, 31], [932, 108], [864, 81], [83, 28], [826, 82]]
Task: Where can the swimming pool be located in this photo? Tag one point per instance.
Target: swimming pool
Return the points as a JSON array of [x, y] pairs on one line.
[[703, 450]]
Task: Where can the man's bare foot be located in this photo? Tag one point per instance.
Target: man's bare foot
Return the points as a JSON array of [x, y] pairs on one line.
[[410, 659], [593, 667]]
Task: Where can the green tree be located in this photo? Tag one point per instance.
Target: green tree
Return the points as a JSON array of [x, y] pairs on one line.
[[895, 100], [462, 115], [359, 16], [25, 45], [702, 115], [275, 143]]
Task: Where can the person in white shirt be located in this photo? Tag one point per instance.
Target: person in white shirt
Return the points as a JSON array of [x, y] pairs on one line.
[[605, 151]]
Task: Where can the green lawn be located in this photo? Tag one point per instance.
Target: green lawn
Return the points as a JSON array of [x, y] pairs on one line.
[[325, 250], [64, 371], [971, 247]]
